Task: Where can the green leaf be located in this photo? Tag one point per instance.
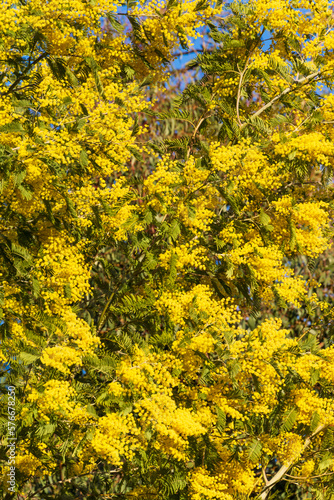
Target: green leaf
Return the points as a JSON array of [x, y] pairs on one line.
[[115, 23], [67, 291], [27, 357], [35, 287], [182, 37], [134, 23], [254, 450], [174, 230], [230, 270], [315, 375], [325, 463], [91, 410], [201, 5], [221, 419], [26, 194], [83, 158], [135, 127], [72, 80], [172, 3], [14, 127], [289, 419], [21, 252], [46, 430], [315, 420], [129, 71], [134, 152], [264, 218], [126, 410], [84, 109], [293, 234]]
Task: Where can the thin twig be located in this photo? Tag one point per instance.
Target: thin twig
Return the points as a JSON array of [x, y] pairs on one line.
[[242, 74], [264, 476], [309, 477]]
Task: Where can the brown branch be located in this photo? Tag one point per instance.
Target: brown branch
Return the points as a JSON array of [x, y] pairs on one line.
[[295, 85], [310, 477], [17, 81], [199, 123], [31, 495], [284, 469]]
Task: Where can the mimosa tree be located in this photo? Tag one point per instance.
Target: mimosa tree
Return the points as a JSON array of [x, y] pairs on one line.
[[150, 247]]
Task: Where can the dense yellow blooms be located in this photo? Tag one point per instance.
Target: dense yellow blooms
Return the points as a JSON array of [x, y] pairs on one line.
[[220, 224], [226, 484], [178, 304], [61, 357], [28, 464], [247, 167], [290, 447], [62, 264], [115, 438]]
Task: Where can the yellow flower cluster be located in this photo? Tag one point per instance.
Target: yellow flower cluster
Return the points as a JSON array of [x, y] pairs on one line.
[[253, 352], [307, 468], [247, 169], [187, 255], [314, 146], [215, 312], [62, 23], [173, 425], [185, 189], [58, 399], [83, 341], [19, 334], [278, 14], [166, 26], [148, 380], [79, 331], [291, 288], [61, 357], [203, 342], [203, 485], [10, 298], [159, 185], [115, 438], [224, 87], [56, 396], [61, 264], [266, 264], [115, 389], [232, 481], [29, 465], [308, 403], [311, 220], [145, 373], [290, 447]]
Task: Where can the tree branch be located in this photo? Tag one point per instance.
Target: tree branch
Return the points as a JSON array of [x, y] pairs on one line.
[[17, 81], [284, 469], [303, 81]]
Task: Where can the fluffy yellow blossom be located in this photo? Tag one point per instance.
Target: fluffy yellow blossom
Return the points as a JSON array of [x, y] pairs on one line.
[[61, 357], [115, 438], [290, 447]]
